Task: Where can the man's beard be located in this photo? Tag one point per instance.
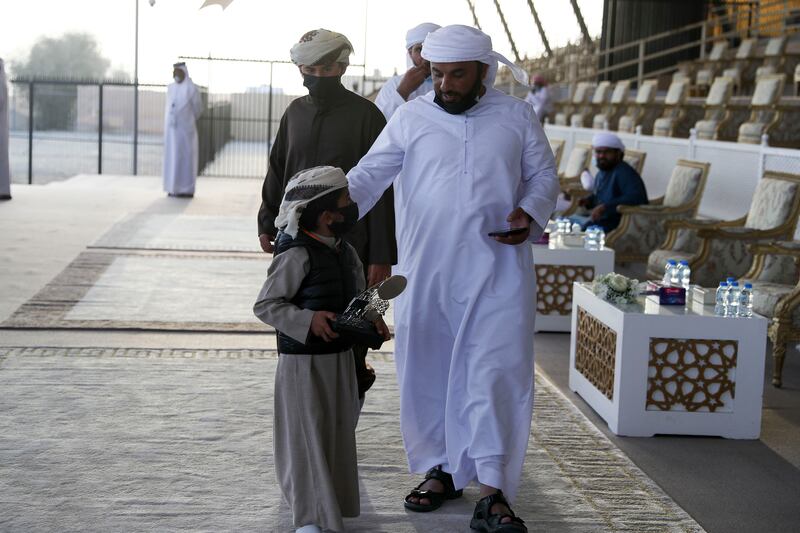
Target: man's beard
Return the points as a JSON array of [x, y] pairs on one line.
[[464, 103]]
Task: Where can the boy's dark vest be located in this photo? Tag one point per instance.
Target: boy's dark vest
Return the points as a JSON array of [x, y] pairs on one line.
[[328, 286]]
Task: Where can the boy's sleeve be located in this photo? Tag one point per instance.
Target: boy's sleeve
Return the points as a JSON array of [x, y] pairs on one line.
[[273, 306]]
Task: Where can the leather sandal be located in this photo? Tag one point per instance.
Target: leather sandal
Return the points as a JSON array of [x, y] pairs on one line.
[[487, 522], [436, 498]]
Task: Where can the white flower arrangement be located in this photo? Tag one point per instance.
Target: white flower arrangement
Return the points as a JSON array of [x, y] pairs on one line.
[[616, 288]]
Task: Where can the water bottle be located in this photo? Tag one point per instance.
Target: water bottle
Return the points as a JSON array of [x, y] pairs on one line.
[[685, 274], [675, 279], [733, 299], [669, 268], [746, 301], [601, 237], [721, 302], [590, 238], [576, 228]]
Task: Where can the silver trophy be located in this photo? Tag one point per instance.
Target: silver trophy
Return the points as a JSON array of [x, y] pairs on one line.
[[356, 323]]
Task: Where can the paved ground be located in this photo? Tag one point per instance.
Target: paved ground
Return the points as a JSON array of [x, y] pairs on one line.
[[724, 485]]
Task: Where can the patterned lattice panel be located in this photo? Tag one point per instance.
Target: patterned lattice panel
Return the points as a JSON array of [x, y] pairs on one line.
[[595, 352], [554, 287], [691, 375]]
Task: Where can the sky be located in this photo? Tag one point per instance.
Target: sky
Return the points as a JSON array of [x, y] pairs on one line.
[[266, 29]]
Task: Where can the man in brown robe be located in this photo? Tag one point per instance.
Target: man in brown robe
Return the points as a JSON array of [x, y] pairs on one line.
[[331, 126]]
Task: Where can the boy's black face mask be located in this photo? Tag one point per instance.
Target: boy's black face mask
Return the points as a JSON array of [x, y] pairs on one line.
[[350, 214], [322, 87]]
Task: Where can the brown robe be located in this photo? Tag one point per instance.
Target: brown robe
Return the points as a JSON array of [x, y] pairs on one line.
[[337, 131]]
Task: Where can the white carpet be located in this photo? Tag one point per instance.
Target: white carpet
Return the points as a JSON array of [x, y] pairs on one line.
[[180, 440]]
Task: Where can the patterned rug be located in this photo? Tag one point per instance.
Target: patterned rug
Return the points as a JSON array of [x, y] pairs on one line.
[[178, 231], [126, 439], [151, 291], [129, 290]]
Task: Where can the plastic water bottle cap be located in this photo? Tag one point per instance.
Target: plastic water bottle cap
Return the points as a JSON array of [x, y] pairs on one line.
[[735, 283], [672, 262], [748, 285], [684, 262], [731, 279], [723, 283]]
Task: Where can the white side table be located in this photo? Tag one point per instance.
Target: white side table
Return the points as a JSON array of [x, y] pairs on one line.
[[557, 267], [648, 369]]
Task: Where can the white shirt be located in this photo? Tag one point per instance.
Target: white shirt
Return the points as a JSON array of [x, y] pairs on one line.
[[388, 99], [464, 325]]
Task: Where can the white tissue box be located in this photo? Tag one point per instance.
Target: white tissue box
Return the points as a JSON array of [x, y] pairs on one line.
[[572, 240], [704, 295]]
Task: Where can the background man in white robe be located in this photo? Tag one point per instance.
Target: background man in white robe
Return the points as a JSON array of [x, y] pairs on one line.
[[184, 107], [416, 81], [539, 98], [5, 170], [465, 160]]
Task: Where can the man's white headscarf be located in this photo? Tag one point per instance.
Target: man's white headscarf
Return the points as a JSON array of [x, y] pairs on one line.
[[305, 186], [607, 139], [417, 35], [457, 43], [316, 44], [180, 94]]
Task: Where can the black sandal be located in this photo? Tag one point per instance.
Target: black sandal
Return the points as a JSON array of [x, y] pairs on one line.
[[484, 520], [436, 498]]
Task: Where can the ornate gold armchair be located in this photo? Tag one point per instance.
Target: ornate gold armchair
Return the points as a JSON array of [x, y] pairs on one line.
[[579, 158], [557, 146], [774, 58], [741, 64], [645, 96], [673, 109], [706, 74], [642, 227], [610, 114], [765, 114], [718, 249], [775, 275], [599, 99], [716, 105], [583, 91]]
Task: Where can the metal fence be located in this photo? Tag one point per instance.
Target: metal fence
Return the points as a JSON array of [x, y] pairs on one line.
[[60, 128]]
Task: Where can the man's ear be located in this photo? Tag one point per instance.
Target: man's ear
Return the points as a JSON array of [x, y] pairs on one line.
[[344, 68]]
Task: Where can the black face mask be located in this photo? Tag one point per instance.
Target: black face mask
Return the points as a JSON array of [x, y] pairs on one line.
[[350, 214], [322, 87], [456, 108]]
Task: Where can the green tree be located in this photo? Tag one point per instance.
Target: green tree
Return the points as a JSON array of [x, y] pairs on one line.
[[73, 56]]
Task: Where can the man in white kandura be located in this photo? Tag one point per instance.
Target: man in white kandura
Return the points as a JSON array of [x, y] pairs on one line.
[[180, 133], [416, 81], [466, 161], [5, 170], [539, 97]]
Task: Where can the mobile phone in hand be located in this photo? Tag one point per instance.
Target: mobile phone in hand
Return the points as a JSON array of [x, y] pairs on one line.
[[507, 232]]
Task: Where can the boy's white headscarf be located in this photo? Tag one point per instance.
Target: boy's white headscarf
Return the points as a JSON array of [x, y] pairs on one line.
[[457, 43], [316, 44], [305, 186]]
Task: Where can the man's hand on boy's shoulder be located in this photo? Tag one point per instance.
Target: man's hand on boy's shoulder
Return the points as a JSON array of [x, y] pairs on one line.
[[382, 328], [320, 325]]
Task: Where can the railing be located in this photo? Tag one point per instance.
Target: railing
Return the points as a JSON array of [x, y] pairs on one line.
[[59, 128], [749, 19]]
